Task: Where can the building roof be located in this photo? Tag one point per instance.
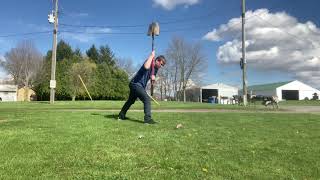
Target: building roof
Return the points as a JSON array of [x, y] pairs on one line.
[[218, 86], [264, 87], [8, 88]]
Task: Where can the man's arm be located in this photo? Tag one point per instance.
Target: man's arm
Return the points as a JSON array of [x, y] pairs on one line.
[[148, 62]]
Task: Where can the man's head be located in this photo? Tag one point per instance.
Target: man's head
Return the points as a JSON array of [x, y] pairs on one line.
[[160, 61]]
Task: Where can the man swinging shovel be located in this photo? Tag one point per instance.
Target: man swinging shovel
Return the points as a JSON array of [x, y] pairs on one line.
[[139, 82], [154, 30]]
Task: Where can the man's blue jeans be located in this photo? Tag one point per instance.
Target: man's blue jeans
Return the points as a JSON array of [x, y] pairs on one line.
[[137, 91]]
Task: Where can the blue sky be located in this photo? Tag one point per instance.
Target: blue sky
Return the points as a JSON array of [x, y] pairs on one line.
[[18, 16]]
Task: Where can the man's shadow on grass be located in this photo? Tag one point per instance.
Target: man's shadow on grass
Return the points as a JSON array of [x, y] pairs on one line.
[[115, 117]]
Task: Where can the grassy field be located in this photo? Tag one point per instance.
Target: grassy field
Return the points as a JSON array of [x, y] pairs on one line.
[[138, 105], [109, 105], [39, 143], [300, 103], [38, 106]]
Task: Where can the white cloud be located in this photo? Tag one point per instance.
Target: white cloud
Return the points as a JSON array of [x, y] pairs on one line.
[[213, 36], [77, 15], [274, 41], [98, 30], [89, 34], [171, 4]]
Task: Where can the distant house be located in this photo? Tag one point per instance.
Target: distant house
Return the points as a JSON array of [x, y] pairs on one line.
[[8, 92], [290, 90], [218, 90]]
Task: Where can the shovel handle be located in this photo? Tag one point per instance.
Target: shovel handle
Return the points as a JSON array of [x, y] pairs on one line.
[[152, 41], [152, 68]]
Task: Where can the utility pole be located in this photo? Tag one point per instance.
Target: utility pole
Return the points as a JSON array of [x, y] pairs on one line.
[[243, 61], [54, 55]]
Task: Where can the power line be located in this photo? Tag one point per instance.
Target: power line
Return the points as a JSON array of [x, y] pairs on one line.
[[281, 49], [296, 37], [186, 29], [137, 25], [141, 25], [123, 26], [192, 28], [101, 33], [189, 19], [102, 26], [25, 34], [232, 26], [138, 33]]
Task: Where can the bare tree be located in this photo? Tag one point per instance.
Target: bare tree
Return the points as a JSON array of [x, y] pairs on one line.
[[127, 65], [22, 63], [166, 80], [176, 55], [188, 62]]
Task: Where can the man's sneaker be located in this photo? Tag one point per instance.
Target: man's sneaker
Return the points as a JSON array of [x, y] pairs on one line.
[[122, 117], [151, 121]]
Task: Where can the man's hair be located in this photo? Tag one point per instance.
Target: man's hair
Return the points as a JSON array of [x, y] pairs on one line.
[[162, 58]]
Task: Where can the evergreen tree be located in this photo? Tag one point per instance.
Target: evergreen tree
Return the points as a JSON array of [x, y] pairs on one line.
[[93, 54], [106, 56], [63, 89], [42, 80], [64, 51], [77, 52]]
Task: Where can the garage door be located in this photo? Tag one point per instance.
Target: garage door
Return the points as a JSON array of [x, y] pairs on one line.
[[206, 93], [290, 94]]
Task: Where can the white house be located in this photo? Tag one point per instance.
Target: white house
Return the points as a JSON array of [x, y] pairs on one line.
[[8, 92], [291, 90], [218, 90]]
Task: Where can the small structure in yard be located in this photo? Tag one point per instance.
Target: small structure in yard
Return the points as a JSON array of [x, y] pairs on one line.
[[26, 94], [8, 92], [291, 90]]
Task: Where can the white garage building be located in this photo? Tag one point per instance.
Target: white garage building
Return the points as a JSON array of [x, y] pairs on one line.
[[8, 92], [291, 90], [217, 90]]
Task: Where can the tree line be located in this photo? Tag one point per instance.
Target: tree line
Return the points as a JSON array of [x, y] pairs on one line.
[[105, 75], [98, 69]]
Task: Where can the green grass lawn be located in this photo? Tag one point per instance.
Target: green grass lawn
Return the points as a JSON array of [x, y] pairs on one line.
[[101, 105], [107, 105], [38, 106], [301, 103], [55, 144]]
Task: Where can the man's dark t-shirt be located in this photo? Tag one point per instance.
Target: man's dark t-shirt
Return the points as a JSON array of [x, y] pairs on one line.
[[143, 75]]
